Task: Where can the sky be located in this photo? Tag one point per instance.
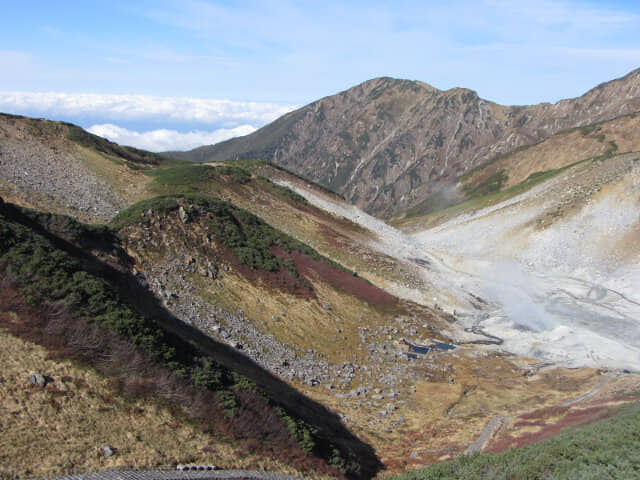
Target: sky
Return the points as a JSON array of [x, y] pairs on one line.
[[173, 75]]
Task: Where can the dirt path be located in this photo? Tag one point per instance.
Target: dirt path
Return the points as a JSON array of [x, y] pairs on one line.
[[493, 426], [496, 423]]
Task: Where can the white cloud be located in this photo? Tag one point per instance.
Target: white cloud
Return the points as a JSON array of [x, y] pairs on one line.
[[163, 140], [143, 108], [571, 14]]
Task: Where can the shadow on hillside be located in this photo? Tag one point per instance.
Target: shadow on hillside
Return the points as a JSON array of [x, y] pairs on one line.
[[139, 296]]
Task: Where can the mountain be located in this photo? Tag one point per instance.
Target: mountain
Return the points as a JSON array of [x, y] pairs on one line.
[[389, 144], [492, 322]]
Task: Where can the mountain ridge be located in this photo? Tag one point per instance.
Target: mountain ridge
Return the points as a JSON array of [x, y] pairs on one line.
[[387, 144]]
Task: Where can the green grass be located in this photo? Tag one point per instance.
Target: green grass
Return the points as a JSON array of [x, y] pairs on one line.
[[608, 449], [190, 178], [492, 184], [519, 149], [484, 200], [283, 193], [47, 273]]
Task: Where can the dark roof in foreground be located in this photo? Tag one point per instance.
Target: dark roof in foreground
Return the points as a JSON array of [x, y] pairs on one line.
[[178, 475]]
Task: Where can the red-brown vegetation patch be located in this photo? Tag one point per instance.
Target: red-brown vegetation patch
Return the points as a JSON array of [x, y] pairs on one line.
[[318, 268], [583, 416], [526, 423], [332, 236], [627, 397], [548, 412], [281, 281]]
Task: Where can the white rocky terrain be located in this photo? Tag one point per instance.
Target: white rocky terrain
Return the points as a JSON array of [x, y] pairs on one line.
[[557, 266]]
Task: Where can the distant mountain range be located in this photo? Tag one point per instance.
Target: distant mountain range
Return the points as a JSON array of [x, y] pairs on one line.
[[387, 145]]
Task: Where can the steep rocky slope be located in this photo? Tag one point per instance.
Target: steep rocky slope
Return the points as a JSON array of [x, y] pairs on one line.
[[61, 168], [388, 144]]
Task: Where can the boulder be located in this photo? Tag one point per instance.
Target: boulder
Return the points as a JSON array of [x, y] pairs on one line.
[[108, 451], [182, 213], [37, 379]]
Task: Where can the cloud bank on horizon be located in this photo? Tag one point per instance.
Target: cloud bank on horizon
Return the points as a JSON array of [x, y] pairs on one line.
[[152, 64], [164, 140], [196, 121]]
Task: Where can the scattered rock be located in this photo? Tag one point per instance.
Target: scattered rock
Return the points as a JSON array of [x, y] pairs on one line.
[[108, 451], [182, 213], [37, 379]]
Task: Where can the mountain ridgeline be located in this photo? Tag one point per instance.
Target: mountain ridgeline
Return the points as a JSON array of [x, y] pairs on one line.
[[387, 145]]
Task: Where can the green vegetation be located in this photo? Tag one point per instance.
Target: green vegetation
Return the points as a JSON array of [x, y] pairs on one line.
[[363, 139], [35, 256], [439, 200], [481, 201], [42, 128], [69, 228], [471, 172], [185, 179], [607, 449], [257, 164], [490, 185], [284, 193], [589, 129], [47, 273], [182, 179], [136, 213], [247, 236]]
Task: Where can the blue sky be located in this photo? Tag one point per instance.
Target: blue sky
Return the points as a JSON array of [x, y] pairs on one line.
[[174, 74]]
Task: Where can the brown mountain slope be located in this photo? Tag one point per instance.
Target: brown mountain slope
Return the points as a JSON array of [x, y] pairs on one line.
[[511, 174], [387, 144]]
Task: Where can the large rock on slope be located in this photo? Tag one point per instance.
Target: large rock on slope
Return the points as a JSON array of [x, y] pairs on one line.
[[388, 144]]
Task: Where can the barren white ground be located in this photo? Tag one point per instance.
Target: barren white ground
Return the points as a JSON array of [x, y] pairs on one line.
[[561, 287]]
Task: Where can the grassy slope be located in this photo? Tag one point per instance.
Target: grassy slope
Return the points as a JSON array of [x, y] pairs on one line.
[[604, 450], [45, 273], [58, 430]]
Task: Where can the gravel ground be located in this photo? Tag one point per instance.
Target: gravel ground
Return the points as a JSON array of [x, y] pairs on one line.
[[560, 264]]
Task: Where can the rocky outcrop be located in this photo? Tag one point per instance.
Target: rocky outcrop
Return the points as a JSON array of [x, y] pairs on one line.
[[389, 144]]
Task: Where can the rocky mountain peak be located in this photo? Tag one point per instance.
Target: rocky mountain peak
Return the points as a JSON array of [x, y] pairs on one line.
[[388, 144]]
